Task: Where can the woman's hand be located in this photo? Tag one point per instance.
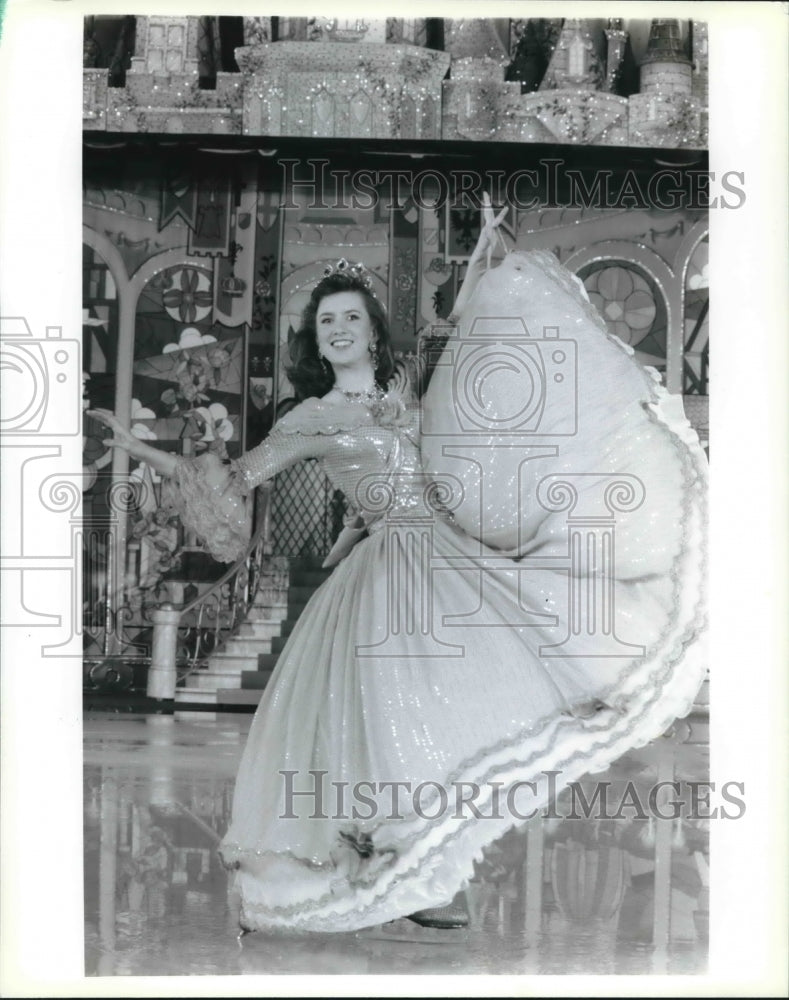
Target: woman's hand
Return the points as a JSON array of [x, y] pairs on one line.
[[122, 437]]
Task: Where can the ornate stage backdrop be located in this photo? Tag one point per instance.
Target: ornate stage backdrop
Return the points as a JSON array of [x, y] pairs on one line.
[[227, 159]]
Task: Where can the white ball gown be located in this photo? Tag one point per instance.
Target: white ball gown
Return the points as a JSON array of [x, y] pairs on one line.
[[526, 605]]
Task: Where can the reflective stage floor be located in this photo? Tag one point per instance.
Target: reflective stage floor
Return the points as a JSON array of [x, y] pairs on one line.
[[625, 895]]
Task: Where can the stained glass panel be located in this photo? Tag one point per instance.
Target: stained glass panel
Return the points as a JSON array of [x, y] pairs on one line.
[[632, 306]]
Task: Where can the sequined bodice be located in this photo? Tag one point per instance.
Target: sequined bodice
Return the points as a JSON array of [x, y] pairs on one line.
[[377, 468], [373, 458]]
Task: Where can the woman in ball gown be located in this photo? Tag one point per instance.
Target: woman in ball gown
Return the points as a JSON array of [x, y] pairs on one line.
[[517, 599]]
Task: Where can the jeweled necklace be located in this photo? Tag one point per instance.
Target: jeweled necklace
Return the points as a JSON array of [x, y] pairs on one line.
[[366, 396]]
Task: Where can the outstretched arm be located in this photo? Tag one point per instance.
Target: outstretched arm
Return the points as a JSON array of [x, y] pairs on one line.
[[278, 451], [208, 493]]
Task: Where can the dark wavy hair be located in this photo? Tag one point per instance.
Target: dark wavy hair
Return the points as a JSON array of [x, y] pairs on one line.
[[308, 375]]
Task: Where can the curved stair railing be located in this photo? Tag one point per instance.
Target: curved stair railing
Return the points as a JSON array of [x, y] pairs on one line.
[[184, 638]]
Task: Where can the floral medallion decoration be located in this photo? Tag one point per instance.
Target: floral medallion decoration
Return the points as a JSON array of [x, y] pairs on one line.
[[190, 297], [631, 308], [625, 302]]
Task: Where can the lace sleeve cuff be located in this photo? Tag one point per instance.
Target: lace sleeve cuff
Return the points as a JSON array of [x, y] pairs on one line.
[[209, 498]]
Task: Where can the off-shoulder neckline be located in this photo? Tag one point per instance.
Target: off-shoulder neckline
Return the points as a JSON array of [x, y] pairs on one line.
[[316, 416], [320, 402]]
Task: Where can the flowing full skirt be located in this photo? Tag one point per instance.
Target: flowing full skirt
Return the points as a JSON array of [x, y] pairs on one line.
[[464, 684], [462, 665]]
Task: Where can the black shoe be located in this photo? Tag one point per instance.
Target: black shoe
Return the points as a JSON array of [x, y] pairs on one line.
[[443, 917], [242, 933]]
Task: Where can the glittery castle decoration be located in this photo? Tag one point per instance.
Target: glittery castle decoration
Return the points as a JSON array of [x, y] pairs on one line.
[[406, 31], [570, 116], [665, 113], [300, 29], [162, 92], [666, 65], [700, 85], [476, 100], [576, 63], [165, 45], [94, 99], [395, 30], [700, 81], [569, 106], [335, 29], [257, 30], [337, 90], [327, 77], [477, 38], [532, 40], [616, 37]]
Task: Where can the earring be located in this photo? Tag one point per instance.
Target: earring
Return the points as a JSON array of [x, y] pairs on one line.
[[325, 366], [372, 347]]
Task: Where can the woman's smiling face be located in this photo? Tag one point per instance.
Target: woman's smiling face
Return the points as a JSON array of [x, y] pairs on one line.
[[344, 329]]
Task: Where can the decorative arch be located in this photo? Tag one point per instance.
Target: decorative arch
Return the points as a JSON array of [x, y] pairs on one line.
[[128, 296], [182, 358], [667, 281], [695, 344], [634, 253], [687, 248], [111, 260], [111, 256]]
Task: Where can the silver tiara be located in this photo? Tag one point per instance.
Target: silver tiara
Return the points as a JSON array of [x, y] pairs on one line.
[[358, 271]]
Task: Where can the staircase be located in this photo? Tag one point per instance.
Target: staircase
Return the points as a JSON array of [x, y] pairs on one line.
[[238, 673]]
